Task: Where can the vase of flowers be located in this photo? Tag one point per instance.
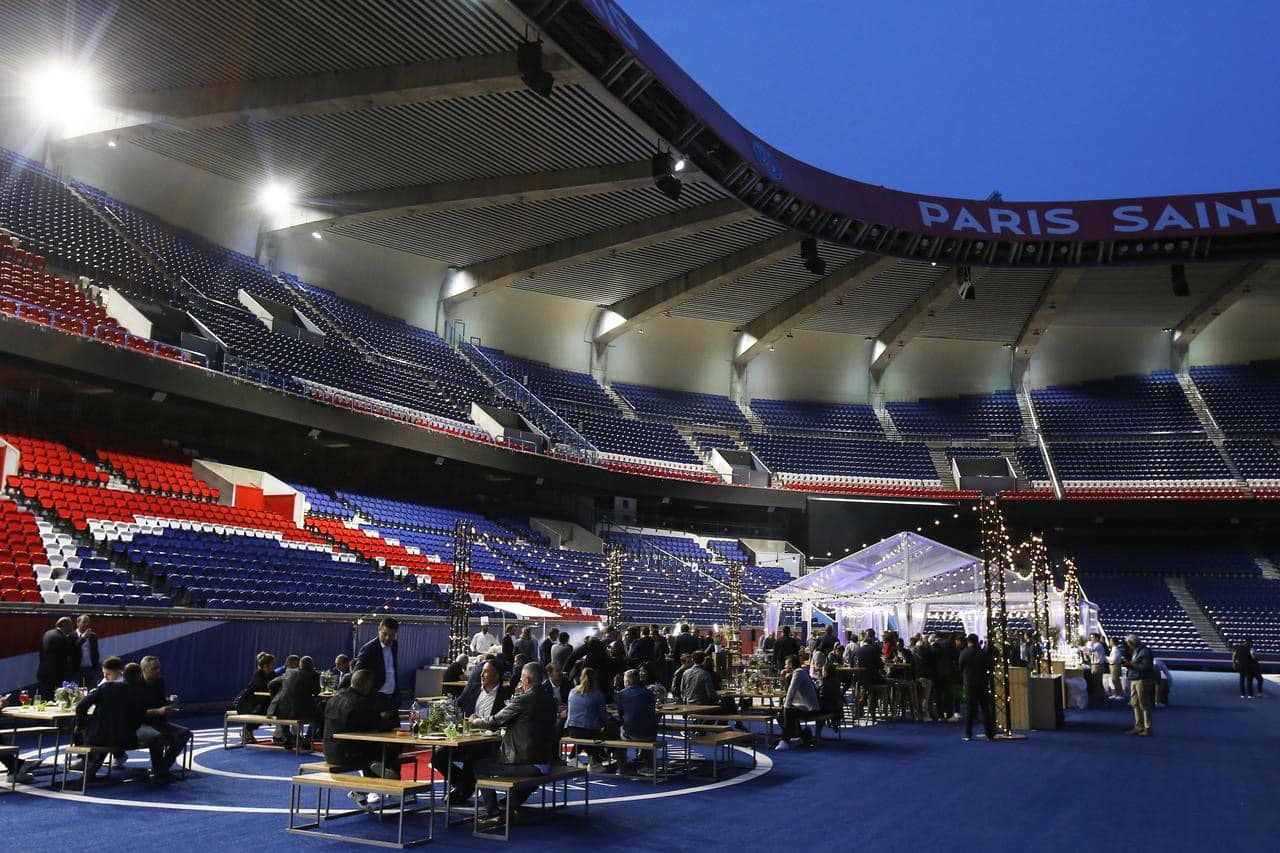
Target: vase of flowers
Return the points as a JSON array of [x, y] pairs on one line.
[[65, 694], [442, 715]]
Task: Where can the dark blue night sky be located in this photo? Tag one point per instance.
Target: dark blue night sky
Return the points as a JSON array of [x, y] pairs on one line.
[[1087, 99]]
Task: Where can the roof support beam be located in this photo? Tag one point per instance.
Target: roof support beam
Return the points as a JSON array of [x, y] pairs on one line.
[[1056, 292], [1223, 297], [625, 314], [499, 272], [907, 325], [793, 311], [394, 202], [244, 101]]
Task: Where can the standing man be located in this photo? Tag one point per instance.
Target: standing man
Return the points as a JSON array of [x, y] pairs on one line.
[[563, 651], [548, 643], [59, 657], [975, 672], [381, 657], [530, 741], [482, 640], [827, 642], [784, 647], [1142, 685], [1247, 665], [1116, 661], [1097, 663], [87, 660], [686, 643], [509, 644]]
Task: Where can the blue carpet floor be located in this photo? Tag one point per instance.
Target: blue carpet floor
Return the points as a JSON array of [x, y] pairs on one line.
[[1206, 779]]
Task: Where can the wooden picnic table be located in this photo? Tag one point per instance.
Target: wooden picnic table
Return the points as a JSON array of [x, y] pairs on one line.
[[53, 717]]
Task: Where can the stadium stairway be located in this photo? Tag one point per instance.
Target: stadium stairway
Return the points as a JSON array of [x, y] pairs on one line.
[[1210, 427], [1265, 564], [1204, 626], [886, 421], [757, 425], [938, 453], [628, 413]]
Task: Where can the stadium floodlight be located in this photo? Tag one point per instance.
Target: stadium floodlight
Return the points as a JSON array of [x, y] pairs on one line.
[[809, 254], [317, 235], [964, 284], [275, 197], [61, 91], [680, 164], [664, 175], [1178, 277], [532, 72]]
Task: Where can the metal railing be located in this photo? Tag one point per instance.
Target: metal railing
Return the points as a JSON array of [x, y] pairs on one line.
[[568, 440], [107, 334]]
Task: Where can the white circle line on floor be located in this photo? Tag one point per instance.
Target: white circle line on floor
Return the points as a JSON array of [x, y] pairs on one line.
[[764, 763]]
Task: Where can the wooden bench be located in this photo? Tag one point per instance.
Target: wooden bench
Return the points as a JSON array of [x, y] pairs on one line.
[[556, 777], [232, 718], [722, 744], [746, 718], [695, 727], [85, 753], [325, 783], [620, 743]]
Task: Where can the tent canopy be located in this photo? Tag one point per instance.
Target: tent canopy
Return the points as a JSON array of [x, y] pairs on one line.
[[521, 610]]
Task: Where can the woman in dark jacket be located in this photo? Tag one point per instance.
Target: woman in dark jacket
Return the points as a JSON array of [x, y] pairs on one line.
[[248, 702], [831, 696]]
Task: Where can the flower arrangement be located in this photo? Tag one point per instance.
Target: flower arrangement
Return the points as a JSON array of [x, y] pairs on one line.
[[66, 694], [442, 715]]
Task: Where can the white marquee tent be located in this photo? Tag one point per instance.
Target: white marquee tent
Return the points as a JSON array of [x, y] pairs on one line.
[[899, 581]]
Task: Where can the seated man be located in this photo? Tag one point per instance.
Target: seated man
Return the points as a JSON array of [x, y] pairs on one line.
[[529, 741], [637, 708], [698, 686], [456, 671], [165, 739], [801, 703], [117, 714], [342, 666], [296, 698], [489, 700], [354, 709]]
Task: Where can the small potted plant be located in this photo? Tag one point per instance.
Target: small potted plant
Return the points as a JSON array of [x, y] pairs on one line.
[[65, 695]]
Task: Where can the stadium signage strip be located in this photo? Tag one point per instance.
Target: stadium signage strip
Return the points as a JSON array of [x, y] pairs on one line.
[[1110, 219]]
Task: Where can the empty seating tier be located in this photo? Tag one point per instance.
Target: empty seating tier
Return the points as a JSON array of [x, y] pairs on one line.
[[795, 416], [986, 416], [1127, 405]]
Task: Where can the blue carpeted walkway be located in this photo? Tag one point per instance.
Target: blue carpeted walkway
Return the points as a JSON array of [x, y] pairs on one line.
[[1205, 780]]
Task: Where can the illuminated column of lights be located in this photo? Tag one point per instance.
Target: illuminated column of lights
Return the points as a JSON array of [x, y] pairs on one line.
[[733, 631], [464, 535], [613, 584], [1071, 599], [997, 555], [1041, 584]]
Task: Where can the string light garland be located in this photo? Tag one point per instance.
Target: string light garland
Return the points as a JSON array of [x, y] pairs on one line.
[[733, 630], [464, 535], [1071, 599], [998, 555], [613, 584]]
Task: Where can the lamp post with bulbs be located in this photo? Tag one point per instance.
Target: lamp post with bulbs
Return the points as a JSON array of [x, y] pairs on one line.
[[464, 533]]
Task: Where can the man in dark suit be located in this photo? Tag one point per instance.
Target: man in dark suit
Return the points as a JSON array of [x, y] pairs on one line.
[[975, 673], [639, 716], [117, 713], [59, 657], [530, 743], [784, 647], [827, 642], [87, 660], [509, 644], [557, 684], [353, 709], [342, 667], [686, 643], [548, 643], [380, 657], [295, 697], [491, 697]]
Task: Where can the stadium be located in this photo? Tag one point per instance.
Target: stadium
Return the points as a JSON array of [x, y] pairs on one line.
[[480, 314]]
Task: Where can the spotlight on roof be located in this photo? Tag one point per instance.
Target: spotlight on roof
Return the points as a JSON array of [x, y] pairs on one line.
[[60, 91], [275, 197], [964, 284], [680, 164], [529, 63], [1178, 277], [809, 253], [664, 175], [317, 235]]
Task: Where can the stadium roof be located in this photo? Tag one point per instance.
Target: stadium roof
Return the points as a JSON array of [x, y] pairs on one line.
[[411, 125]]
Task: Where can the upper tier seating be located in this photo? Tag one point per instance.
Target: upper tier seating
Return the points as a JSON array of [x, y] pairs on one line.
[[412, 515], [794, 416], [709, 440], [322, 504], [1126, 405], [215, 271], [898, 460], [52, 222], [993, 415], [1160, 557], [395, 338], [555, 387], [729, 550], [1242, 608], [682, 406], [20, 280], [644, 439], [1244, 399], [40, 457], [1139, 461], [1142, 606], [682, 547], [1032, 463]]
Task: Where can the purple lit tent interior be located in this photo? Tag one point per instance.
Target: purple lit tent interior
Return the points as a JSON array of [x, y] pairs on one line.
[[900, 581]]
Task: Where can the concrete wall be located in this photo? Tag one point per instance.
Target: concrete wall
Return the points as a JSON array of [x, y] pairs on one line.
[[1245, 332], [1070, 354]]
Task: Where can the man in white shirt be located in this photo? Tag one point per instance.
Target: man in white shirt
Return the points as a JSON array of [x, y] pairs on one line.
[[481, 642], [801, 703], [381, 656], [1116, 660], [1097, 663], [490, 699]]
